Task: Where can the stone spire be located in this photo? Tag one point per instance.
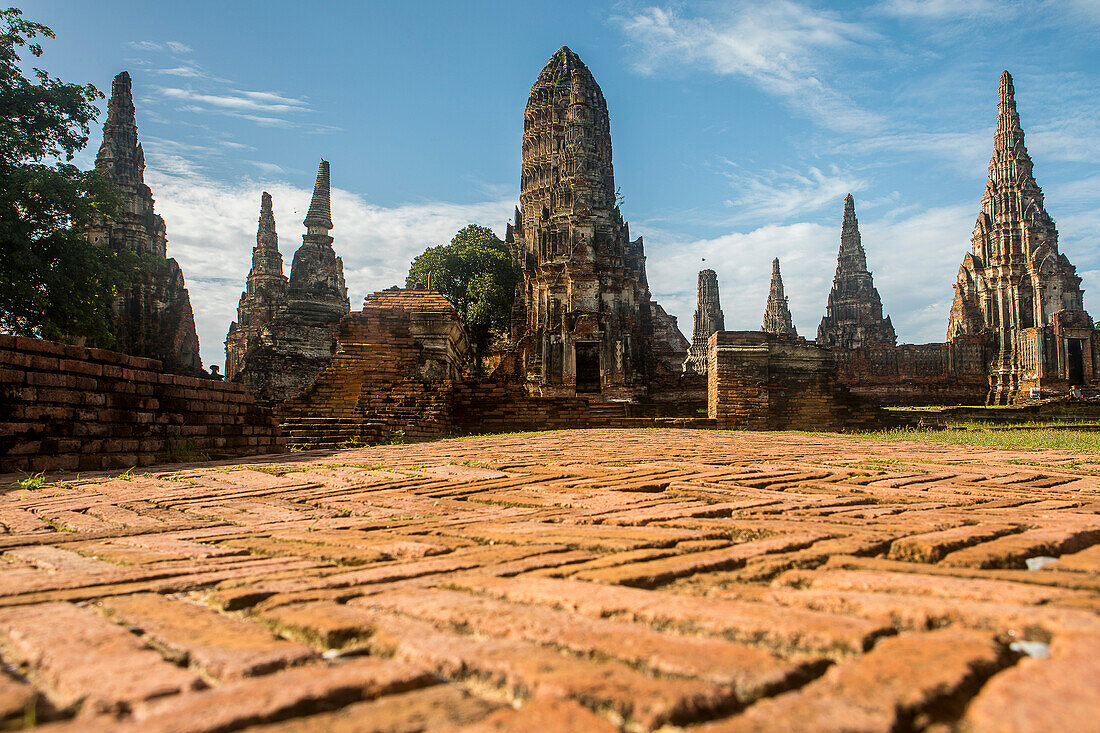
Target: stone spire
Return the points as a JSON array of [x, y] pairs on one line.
[[320, 207], [152, 317], [777, 315], [708, 319], [853, 317], [120, 157], [317, 291], [265, 295], [1014, 277]]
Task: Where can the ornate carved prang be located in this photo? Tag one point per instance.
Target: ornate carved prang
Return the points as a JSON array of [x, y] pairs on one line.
[[708, 319], [1014, 278], [152, 317], [853, 316], [588, 319], [777, 315]]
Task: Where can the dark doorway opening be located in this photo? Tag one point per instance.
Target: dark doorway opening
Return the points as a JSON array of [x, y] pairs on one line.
[[588, 367], [1075, 362]]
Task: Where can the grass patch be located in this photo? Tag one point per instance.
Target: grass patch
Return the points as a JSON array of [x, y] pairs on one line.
[[996, 436]]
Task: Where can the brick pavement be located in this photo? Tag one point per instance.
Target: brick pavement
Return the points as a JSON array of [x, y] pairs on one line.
[[580, 580]]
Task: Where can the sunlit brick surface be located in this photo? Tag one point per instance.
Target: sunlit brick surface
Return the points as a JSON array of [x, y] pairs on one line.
[[582, 580]]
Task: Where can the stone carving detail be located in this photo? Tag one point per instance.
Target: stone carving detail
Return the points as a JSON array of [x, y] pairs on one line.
[[282, 357], [152, 318], [265, 295], [1014, 287], [586, 321], [853, 317], [708, 319], [777, 316]]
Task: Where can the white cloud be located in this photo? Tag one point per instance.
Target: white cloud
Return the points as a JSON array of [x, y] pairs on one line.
[[780, 195], [212, 229], [146, 45], [780, 46], [237, 100], [177, 47], [944, 9]]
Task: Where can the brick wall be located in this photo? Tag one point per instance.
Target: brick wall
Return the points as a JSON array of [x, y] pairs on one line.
[[917, 374], [77, 409], [391, 378], [762, 381]]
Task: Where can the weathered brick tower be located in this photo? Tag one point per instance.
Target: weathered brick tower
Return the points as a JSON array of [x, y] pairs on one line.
[[152, 317], [282, 355], [317, 291], [1014, 287], [587, 318], [708, 319], [777, 314], [853, 317], [265, 295]]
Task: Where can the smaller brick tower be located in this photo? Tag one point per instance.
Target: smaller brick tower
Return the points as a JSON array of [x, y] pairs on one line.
[[853, 318], [265, 295], [317, 291], [286, 354], [777, 315], [708, 319]]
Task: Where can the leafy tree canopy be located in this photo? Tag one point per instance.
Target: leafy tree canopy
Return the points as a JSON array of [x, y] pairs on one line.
[[53, 283], [475, 273]]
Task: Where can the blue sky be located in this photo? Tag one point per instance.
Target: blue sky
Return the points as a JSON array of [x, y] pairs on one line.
[[738, 127]]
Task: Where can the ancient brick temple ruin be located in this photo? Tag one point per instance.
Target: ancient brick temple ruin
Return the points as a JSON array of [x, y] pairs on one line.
[[586, 322], [777, 314], [152, 317], [708, 319], [1015, 290], [853, 317], [285, 336]]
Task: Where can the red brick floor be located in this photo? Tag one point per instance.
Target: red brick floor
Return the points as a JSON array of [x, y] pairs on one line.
[[589, 580]]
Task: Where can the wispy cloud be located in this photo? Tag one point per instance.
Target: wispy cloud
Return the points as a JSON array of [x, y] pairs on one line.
[[779, 46], [780, 195], [200, 92], [945, 9], [174, 47], [268, 103]]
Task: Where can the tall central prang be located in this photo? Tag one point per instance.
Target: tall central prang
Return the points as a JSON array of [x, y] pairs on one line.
[[587, 321], [1015, 288]]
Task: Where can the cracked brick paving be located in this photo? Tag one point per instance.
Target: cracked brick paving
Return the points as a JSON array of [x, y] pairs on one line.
[[593, 580]]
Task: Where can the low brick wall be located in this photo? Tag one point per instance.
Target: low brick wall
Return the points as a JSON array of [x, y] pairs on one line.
[[77, 409], [760, 381], [917, 374]]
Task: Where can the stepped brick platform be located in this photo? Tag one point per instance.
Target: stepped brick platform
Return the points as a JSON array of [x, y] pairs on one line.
[[594, 580]]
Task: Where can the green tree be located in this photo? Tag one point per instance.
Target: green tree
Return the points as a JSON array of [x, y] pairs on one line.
[[475, 273], [53, 283]]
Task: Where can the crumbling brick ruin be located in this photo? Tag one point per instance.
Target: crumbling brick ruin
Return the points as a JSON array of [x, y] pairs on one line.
[[777, 314], [1015, 289], [392, 377], [281, 342], [708, 319], [763, 381], [152, 317], [586, 322]]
